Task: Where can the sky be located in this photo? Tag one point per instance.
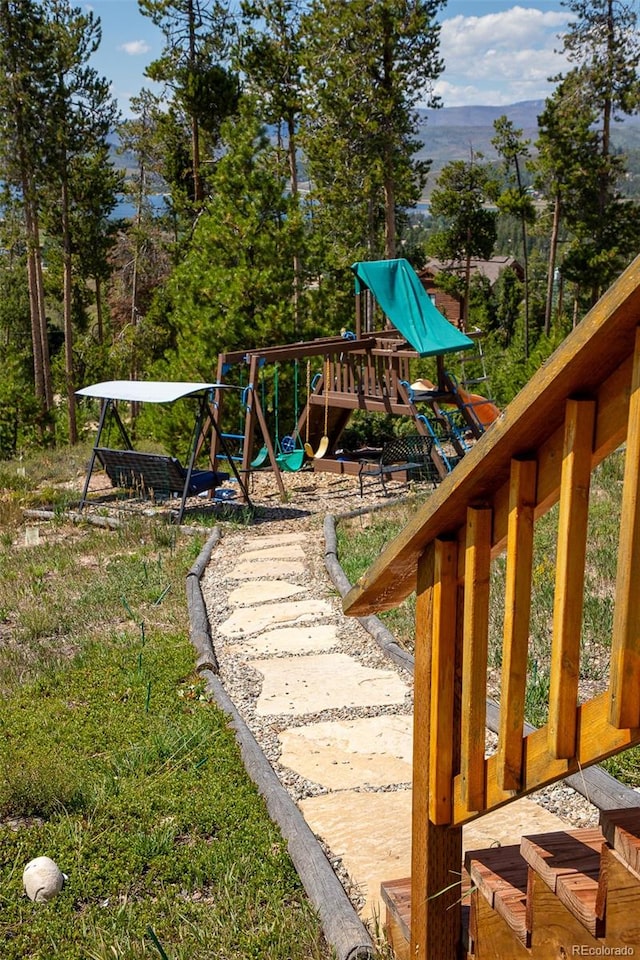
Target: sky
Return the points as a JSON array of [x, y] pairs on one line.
[[496, 52]]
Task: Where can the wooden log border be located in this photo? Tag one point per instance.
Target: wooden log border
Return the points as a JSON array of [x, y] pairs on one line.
[[343, 928]]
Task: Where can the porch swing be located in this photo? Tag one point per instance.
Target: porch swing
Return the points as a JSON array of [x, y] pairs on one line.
[[156, 475]]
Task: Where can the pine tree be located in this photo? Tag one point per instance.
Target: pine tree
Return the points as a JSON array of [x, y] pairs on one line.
[[460, 198], [232, 288], [603, 42], [366, 66], [270, 58], [515, 199], [192, 65], [24, 94], [79, 117]]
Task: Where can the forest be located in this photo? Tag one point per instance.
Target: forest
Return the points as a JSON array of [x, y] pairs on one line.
[[286, 144]]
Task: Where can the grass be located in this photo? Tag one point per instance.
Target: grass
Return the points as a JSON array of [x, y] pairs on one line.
[[362, 539], [117, 766]]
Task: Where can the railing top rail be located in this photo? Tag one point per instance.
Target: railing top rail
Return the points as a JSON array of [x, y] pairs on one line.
[[594, 351]]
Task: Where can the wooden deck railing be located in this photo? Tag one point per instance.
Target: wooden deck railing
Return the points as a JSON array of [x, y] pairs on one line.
[[580, 407]]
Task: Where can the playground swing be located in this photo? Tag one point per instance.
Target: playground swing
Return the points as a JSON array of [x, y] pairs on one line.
[[263, 453], [323, 446], [289, 457]]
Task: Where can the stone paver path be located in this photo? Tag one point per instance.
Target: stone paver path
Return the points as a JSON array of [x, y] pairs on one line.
[[332, 715]]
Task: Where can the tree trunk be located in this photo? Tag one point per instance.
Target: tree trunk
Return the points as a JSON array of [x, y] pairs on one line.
[[42, 318], [195, 130], [525, 257], [293, 182], [553, 252], [68, 314], [99, 322], [389, 219]]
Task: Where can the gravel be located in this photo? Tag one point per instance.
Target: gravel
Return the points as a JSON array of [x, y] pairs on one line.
[[309, 498]]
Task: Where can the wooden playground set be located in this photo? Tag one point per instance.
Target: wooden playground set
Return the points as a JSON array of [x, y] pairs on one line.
[[368, 370]]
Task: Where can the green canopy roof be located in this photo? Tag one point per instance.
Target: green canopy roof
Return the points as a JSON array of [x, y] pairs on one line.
[[397, 288]]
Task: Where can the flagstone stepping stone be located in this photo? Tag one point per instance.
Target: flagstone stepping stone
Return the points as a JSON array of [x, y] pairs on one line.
[[293, 551], [276, 540], [371, 832], [278, 569], [342, 754], [302, 639], [245, 621], [263, 591], [325, 681]]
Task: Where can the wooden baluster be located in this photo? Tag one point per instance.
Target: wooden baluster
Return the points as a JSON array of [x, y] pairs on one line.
[[625, 648], [569, 585], [517, 610], [336, 379], [444, 631], [477, 567], [436, 850]]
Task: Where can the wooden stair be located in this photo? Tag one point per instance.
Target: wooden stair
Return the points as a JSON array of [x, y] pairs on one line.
[[563, 894]]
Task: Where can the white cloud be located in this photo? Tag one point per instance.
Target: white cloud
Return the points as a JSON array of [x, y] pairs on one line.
[[500, 58], [135, 48]]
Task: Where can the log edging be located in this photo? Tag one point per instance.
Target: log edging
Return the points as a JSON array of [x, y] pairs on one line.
[[342, 927]]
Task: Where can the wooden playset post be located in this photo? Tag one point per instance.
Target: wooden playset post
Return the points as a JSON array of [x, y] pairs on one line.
[[436, 849]]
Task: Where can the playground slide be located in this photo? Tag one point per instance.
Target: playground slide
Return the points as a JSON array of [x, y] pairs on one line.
[[485, 411]]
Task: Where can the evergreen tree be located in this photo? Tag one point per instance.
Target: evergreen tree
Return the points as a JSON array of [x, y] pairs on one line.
[[603, 42], [366, 65], [232, 288], [515, 199], [79, 117], [18, 404], [269, 55], [460, 197], [24, 95], [197, 34]]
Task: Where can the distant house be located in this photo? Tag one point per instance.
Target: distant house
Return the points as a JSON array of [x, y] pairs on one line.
[[450, 305]]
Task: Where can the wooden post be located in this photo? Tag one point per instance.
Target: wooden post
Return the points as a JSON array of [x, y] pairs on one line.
[[216, 410], [436, 850], [625, 647], [477, 568], [570, 561], [443, 727], [517, 610]]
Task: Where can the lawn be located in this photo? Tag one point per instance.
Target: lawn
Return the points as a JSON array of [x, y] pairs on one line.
[[115, 763]]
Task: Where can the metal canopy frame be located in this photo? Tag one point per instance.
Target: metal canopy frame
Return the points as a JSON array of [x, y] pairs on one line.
[[159, 391]]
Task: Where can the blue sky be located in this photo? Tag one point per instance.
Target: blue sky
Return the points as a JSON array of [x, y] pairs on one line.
[[495, 51]]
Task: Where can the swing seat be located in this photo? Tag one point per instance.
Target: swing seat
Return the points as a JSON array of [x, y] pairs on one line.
[[322, 449], [291, 462], [261, 457]]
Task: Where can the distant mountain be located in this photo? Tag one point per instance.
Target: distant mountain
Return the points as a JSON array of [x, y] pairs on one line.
[[452, 133], [524, 114]]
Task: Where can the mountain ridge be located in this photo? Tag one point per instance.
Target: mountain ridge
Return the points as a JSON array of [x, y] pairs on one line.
[[455, 133]]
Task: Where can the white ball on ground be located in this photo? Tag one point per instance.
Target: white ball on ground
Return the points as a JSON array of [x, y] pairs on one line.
[[42, 879]]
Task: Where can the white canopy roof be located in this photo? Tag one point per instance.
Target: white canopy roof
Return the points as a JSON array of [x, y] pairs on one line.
[[144, 391]]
